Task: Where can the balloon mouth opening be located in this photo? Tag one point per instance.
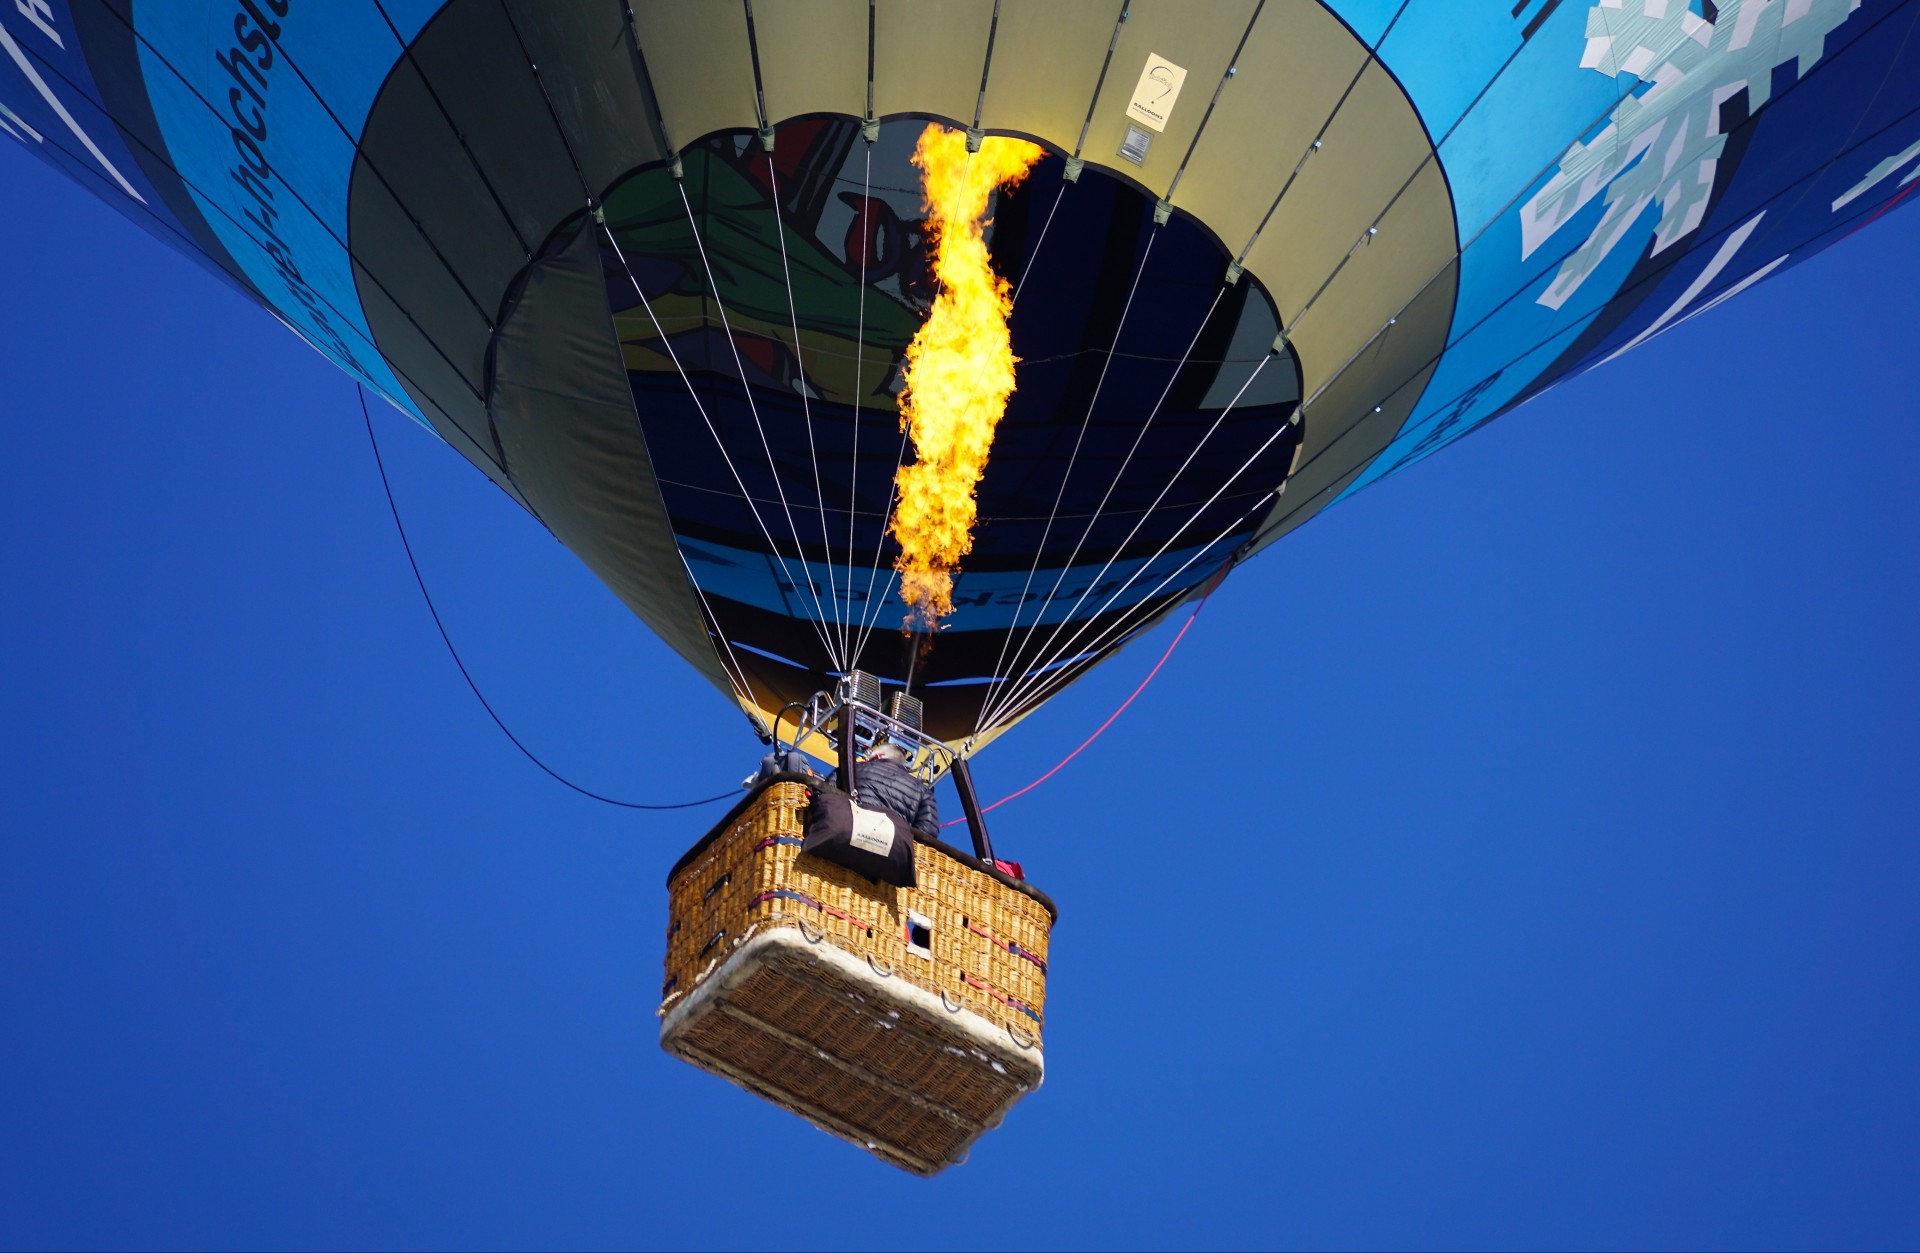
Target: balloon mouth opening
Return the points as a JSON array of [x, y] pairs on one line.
[[764, 302]]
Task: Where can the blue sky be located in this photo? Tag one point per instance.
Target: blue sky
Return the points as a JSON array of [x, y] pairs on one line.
[[1522, 854]]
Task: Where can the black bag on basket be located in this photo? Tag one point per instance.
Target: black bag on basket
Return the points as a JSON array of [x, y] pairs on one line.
[[873, 843]]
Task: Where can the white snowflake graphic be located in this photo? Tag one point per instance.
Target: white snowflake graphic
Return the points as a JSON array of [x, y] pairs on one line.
[[1663, 141]]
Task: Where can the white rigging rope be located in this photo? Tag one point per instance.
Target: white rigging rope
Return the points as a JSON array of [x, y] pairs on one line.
[[1073, 458], [735, 672], [806, 408], [1130, 621], [1061, 671], [1093, 519], [693, 392], [1001, 669], [886, 592], [773, 469], [1014, 690], [1141, 521], [1312, 147], [859, 391], [1033, 256], [870, 615]]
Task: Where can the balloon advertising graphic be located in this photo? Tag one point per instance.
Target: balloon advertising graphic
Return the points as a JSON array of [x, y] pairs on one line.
[[656, 272]]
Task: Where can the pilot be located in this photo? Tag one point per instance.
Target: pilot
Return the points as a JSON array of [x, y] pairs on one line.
[[885, 780]]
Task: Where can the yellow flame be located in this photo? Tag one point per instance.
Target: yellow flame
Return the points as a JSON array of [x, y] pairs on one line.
[[959, 366]]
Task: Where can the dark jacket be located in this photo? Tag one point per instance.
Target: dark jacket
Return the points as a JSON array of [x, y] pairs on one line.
[[892, 786]]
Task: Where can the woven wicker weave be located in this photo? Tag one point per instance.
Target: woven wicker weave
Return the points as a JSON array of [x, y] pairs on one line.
[[796, 978]]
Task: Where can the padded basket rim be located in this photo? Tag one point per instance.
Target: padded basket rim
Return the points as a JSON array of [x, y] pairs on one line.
[[727, 820], [1024, 1065], [980, 1031]]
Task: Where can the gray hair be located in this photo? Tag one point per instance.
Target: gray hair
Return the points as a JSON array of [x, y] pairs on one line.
[[887, 750]]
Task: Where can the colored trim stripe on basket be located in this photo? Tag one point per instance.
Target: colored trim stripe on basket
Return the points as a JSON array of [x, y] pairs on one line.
[[1009, 945], [788, 894], [998, 995], [772, 840]]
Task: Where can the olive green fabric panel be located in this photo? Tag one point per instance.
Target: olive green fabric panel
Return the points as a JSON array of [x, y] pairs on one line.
[[1315, 485], [702, 71], [429, 325], [565, 414], [1343, 433], [410, 148], [471, 56], [928, 55], [1372, 146], [460, 165], [813, 56], [456, 413], [1374, 370], [1046, 65], [1361, 256], [409, 271], [1199, 36], [423, 351], [1414, 245], [1288, 80]]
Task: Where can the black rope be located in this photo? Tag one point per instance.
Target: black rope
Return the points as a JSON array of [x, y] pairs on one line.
[[380, 463]]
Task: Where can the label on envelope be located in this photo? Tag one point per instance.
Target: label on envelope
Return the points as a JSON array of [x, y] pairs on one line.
[[1155, 94]]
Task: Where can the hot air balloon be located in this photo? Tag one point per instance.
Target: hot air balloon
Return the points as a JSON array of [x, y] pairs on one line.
[[653, 272], [656, 270]]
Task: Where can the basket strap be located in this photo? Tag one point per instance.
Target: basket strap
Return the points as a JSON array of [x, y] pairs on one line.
[[998, 995], [788, 894], [1009, 945]]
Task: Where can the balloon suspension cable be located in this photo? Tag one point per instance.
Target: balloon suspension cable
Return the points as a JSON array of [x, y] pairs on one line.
[[1021, 283], [1111, 718], [865, 224], [1000, 666], [387, 486], [1093, 519], [818, 622], [1044, 671], [868, 620], [806, 408], [1069, 669], [1052, 673]]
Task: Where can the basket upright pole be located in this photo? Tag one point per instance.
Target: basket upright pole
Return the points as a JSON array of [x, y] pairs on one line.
[[970, 802], [849, 751]]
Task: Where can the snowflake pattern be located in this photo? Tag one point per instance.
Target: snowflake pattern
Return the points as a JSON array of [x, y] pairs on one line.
[[1663, 141]]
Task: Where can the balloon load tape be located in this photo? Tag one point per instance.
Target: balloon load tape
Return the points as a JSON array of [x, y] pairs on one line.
[[904, 1020]]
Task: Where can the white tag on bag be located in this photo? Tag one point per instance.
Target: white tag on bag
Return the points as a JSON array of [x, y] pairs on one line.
[[872, 831]]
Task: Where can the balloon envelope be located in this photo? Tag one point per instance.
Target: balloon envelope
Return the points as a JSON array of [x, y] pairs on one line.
[[654, 273]]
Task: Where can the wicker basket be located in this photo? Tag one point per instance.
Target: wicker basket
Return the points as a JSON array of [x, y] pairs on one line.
[[904, 1020]]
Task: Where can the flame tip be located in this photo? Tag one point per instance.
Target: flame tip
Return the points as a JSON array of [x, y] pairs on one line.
[[960, 365]]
